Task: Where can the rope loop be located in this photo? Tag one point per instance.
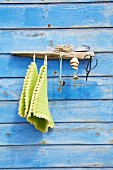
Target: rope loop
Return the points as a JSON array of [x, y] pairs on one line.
[[60, 58], [45, 60], [34, 56]]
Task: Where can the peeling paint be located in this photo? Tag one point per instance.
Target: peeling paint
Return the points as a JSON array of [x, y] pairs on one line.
[[97, 134], [5, 93], [8, 134]]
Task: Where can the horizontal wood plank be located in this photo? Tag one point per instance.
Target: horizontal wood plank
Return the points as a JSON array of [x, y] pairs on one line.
[[12, 66], [95, 88], [65, 111], [56, 156], [63, 133], [56, 16], [50, 1], [42, 40]]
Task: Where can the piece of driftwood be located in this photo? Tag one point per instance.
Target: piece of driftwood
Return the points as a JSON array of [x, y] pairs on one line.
[[53, 55]]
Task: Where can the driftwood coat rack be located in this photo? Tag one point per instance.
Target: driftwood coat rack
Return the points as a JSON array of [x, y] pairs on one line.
[[64, 52], [54, 55]]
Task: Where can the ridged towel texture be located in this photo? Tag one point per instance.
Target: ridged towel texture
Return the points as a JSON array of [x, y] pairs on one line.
[[33, 104]]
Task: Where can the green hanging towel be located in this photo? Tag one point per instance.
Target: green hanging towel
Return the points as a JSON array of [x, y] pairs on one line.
[[39, 114], [28, 87]]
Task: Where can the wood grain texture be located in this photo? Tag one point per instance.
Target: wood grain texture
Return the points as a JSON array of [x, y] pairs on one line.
[[63, 133], [33, 40], [54, 55], [83, 133], [56, 156], [95, 88], [68, 15], [49, 1], [12, 66], [65, 111]]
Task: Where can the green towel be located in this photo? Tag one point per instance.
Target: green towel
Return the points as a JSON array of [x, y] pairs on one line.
[[39, 114], [28, 87], [33, 104]]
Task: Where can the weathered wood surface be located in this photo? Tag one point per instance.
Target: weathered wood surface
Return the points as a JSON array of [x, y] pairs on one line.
[[56, 156], [69, 168], [63, 133], [12, 66], [95, 88], [83, 133], [55, 55], [50, 1], [32, 40], [65, 111], [57, 15]]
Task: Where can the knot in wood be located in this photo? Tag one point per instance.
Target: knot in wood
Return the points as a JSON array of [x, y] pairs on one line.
[[63, 48]]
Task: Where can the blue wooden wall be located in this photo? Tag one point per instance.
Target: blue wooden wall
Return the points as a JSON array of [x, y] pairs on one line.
[[83, 135]]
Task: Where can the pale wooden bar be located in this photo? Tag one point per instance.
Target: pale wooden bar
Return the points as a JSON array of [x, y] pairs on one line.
[[53, 55]]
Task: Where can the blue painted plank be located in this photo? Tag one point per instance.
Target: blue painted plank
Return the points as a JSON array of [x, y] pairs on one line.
[[50, 1], [95, 88], [35, 40], [67, 15], [12, 66], [63, 133], [72, 111], [56, 156]]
